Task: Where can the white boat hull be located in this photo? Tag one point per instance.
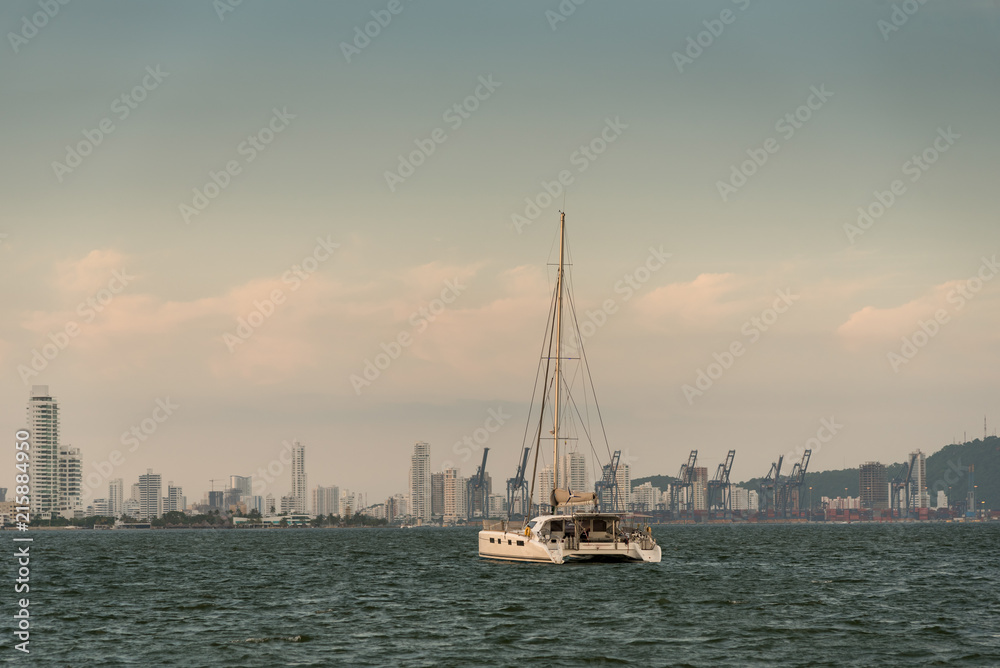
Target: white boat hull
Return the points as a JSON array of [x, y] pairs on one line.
[[558, 548]]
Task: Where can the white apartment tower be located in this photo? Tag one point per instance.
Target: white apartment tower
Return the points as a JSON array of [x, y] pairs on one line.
[[544, 487], [921, 499], [175, 500], [326, 501], [420, 482], [116, 497], [69, 473], [299, 476], [150, 499], [43, 423], [454, 496], [574, 472]]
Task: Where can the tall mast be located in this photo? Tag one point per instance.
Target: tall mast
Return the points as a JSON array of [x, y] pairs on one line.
[[559, 308]]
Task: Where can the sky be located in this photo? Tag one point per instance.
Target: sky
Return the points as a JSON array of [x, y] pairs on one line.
[[782, 219]]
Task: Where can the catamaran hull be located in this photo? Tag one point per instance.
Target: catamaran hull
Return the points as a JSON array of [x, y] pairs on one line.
[[509, 546]]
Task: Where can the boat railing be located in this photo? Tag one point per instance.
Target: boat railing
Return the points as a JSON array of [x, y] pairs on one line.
[[494, 525]]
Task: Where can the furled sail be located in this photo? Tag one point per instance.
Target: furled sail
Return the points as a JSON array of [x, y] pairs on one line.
[[565, 497]]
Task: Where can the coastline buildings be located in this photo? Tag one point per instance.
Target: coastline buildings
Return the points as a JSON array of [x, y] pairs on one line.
[[299, 477], [420, 482], [873, 486]]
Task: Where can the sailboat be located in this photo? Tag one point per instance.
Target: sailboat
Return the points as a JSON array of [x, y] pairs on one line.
[[576, 530]]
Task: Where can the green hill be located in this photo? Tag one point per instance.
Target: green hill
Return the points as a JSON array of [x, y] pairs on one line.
[[661, 481], [948, 468]]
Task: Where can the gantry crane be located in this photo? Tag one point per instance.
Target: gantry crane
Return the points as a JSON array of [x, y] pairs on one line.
[[518, 484], [609, 483], [685, 481], [719, 489], [770, 487], [901, 482], [477, 491], [792, 487]]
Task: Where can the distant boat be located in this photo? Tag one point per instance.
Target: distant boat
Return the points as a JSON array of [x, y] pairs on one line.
[[565, 535]]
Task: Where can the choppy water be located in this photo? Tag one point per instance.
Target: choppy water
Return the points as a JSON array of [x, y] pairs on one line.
[[778, 595]]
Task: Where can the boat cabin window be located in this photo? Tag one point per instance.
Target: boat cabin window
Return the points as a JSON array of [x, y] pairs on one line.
[[558, 528]]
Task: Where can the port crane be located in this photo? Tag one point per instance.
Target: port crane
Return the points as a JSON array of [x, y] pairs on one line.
[[685, 481], [902, 482], [477, 491], [791, 492], [770, 487], [609, 483], [719, 490], [518, 484]]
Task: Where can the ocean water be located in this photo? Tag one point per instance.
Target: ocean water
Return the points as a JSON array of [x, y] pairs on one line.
[[907, 595]]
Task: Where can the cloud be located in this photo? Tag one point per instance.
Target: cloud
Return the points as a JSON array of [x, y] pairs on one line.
[[871, 324], [88, 274]]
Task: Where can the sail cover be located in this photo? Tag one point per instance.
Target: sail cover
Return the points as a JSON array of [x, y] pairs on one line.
[[565, 497]]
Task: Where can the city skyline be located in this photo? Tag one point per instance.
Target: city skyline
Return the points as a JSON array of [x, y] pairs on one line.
[[68, 488]]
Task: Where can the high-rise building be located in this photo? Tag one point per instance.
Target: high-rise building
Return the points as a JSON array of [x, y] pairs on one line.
[[454, 496], [498, 505], [270, 507], [131, 508], [744, 499], [175, 500], [874, 486], [242, 483], [69, 472], [699, 488], [545, 486], [134, 494], [43, 424], [645, 497], [437, 494], [326, 500], [624, 478], [921, 499], [396, 507], [299, 476], [150, 496], [98, 507], [573, 472], [942, 499], [216, 499], [348, 504], [420, 482], [116, 497]]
